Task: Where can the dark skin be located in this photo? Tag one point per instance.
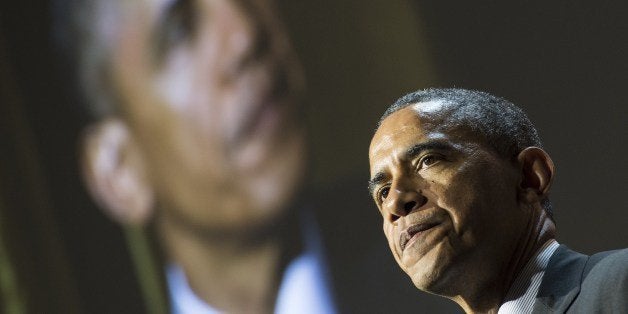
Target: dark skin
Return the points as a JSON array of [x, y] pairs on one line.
[[460, 220]]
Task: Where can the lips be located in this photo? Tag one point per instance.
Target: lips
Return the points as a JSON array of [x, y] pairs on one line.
[[407, 234]]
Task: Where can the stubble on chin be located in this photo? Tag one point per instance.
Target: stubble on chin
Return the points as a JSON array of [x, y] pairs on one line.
[[432, 272]]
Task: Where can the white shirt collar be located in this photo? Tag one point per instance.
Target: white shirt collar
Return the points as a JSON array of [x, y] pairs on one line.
[[521, 295]]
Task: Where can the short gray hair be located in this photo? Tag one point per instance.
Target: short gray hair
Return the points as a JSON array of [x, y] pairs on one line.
[[504, 126]]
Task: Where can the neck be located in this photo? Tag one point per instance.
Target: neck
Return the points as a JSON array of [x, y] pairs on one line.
[[487, 297], [231, 273]]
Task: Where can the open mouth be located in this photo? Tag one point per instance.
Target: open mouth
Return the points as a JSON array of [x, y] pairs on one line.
[[407, 235]]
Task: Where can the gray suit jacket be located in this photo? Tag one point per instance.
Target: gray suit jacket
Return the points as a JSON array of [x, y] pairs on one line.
[[577, 283]]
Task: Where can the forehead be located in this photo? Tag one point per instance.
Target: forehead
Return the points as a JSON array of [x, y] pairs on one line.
[[407, 126]]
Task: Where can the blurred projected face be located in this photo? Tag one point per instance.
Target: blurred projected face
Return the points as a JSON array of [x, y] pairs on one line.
[[208, 90], [448, 203]]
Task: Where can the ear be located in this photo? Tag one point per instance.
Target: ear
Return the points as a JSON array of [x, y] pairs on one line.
[[537, 174], [114, 172]]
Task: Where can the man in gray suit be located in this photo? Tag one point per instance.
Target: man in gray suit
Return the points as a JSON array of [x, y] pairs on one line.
[[462, 184]]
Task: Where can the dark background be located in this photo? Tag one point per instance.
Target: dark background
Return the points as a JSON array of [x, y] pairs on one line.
[[563, 62]]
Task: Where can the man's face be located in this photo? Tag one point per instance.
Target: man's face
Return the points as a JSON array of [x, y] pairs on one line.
[[448, 202], [208, 90]]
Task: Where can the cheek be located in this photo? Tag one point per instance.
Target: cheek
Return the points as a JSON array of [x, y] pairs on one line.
[[458, 200], [174, 83], [389, 232], [477, 200], [192, 92], [456, 193]]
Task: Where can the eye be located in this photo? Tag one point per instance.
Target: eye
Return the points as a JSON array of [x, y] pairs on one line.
[[383, 193], [176, 25], [427, 161]]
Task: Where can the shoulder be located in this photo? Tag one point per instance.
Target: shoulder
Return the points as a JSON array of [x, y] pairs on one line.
[[605, 281], [607, 268], [610, 266]]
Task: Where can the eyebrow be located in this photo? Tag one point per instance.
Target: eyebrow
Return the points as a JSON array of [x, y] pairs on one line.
[[375, 181], [413, 151], [417, 149]]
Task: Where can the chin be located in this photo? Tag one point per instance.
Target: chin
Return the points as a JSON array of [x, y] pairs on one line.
[[425, 278], [269, 203], [431, 273]]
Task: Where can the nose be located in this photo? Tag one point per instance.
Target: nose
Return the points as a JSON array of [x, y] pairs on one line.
[[262, 40], [403, 200]]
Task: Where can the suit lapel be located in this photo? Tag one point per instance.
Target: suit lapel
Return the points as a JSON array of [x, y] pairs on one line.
[[561, 282]]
